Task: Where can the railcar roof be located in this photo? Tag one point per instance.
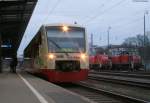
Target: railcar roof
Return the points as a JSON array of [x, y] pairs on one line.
[[63, 24]]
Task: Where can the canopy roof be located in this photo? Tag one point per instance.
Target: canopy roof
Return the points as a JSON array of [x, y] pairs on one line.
[[14, 17]]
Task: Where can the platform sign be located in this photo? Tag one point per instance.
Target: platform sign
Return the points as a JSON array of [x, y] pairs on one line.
[[6, 46]]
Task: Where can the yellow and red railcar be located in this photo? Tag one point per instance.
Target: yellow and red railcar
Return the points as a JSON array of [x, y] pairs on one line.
[[60, 53]]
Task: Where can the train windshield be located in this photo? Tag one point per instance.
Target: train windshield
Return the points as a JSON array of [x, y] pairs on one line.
[[72, 40]]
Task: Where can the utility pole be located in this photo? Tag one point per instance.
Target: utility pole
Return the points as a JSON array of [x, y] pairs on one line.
[[91, 40], [91, 45], [108, 34], [144, 28], [144, 32], [144, 41]]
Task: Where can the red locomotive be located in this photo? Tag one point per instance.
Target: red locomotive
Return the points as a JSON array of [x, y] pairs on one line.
[[125, 58], [99, 61]]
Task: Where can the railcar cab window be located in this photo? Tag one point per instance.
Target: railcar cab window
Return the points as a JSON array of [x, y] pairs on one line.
[[72, 40]]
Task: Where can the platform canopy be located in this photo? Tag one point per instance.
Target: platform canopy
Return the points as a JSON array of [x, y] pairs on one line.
[[14, 17]]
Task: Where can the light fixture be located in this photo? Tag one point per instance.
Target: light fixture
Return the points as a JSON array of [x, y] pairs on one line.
[[83, 56], [65, 28], [51, 56]]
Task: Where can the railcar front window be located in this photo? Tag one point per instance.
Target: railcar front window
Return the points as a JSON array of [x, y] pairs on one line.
[[71, 41]]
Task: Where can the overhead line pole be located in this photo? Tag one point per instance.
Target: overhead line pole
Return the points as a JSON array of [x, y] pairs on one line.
[[91, 40], [144, 31], [144, 41], [108, 35]]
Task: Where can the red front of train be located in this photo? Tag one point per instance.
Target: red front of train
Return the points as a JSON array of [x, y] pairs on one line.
[[126, 60], [99, 61]]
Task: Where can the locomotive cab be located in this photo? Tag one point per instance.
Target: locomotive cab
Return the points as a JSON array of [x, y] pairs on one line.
[[99, 60], [125, 58]]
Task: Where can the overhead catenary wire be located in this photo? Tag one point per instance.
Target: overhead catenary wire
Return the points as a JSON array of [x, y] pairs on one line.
[[100, 7], [53, 7], [133, 22], [51, 11], [110, 8], [30, 24], [127, 24], [44, 20], [123, 24]]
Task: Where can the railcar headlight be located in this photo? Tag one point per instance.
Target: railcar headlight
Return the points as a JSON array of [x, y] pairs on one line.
[[51, 56], [65, 28], [83, 56]]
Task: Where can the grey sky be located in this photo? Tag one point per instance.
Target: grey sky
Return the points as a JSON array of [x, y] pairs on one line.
[[124, 16]]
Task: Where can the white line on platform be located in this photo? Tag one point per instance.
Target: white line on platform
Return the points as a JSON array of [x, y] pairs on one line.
[[36, 93]]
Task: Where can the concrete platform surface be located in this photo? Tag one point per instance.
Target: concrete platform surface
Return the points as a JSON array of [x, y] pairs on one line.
[[25, 88]]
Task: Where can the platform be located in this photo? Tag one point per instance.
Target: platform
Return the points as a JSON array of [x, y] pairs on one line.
[[25, 88]]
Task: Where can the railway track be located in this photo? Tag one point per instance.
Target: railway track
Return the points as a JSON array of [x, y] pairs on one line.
[[137, 80], [117, 96], [91, 93], [125, 74], [124, 81], [97, 93]]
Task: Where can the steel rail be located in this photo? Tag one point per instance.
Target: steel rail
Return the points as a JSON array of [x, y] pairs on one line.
[[121, 81], [145, 76], [125, 98]]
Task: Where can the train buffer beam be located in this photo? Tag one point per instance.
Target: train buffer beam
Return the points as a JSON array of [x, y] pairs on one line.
[[25, 88]]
